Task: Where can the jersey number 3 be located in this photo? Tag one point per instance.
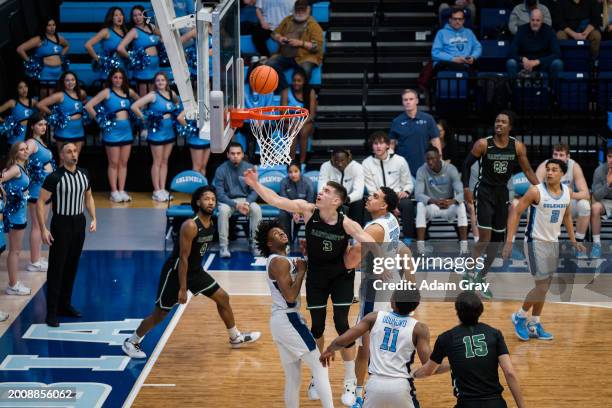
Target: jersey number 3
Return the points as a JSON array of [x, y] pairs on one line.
[[385, 343], [475, 346], [327, 246]]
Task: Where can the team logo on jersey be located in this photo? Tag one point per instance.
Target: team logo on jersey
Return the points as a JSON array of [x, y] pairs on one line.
[[56, 48], [168, 106], [27, 112], [152, 38], [123, 104], [203, 249], [77, 105]]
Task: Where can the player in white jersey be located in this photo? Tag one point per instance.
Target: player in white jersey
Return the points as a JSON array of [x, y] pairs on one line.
[[294, 341], [550, 205], [579, 190], [395, 337]]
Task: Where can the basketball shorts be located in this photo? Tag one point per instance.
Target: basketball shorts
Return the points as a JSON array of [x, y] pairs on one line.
[[198, 282], [291, 336], [490, 403], [491, 207], [320, 287], [389, 392], [542, 258]]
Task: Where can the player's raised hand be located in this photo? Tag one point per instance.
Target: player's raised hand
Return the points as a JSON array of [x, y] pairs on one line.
[[327, 357], [303, 247], [300, 265], [250, 176]]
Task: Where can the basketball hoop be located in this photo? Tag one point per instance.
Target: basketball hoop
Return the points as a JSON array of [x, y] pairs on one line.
[[274, 127]]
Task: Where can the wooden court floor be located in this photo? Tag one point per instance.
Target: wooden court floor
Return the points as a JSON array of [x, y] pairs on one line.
[[197, 368]]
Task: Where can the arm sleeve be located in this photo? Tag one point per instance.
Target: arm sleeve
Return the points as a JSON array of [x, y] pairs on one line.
[[457, 184], [406, 176], [439, 350], [476, 47], [358, 183], [437, 50], [419, 190], [600, 186], [368, 176], [502, 348], [222, 196]]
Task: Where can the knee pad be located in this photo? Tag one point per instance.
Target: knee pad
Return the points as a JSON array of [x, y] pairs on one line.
[[317, 326], [341, 320], [583, 208]]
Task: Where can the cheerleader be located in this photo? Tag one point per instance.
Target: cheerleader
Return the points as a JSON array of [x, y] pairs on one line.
[[66, 116], [302, 95], [16, 181], [199, 148], [3, 316], [162, 103], [110, 37], [189, 42], [113, 105], [142, 36], [40, 164], [22, 107], [50, 48]]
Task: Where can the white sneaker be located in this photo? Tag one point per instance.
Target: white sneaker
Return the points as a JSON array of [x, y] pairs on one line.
[[169, 197], [44, 262], [125, 197], [37, 267], [224, 252], [313, 395], [244, 338], [116, 197], [158, 196], [132, 350], [19, 290], [348, 397], [3, 316]]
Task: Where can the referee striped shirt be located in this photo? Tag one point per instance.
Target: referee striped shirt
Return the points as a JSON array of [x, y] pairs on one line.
[[67, 190]]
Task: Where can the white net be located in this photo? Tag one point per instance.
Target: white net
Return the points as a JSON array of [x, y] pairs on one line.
[[276, 132]]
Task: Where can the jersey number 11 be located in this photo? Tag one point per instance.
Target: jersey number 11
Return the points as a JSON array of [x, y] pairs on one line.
[[385, 343]]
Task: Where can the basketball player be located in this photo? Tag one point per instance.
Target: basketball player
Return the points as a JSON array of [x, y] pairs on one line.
[[474, 351], [579, 190], [183, 270], [394, 339], [293, 339], [330, 264], [498, 156], [550, 205]]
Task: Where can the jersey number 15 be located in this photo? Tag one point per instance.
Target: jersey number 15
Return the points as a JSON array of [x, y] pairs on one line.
[[475, 346]]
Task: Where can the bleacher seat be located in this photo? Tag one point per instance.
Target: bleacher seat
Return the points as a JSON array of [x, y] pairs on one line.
[[185, 182], [573, 92], [494, 55], [94, 12], [451, 91], [576, 55], [84, 72], [493, 21], [320, 12], [272, 180], [313, 175], [278, 168], [604, 91], [487, 86], [605, 56], [532, 95]]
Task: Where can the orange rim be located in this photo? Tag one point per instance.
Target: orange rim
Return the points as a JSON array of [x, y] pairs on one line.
[[238, 116]]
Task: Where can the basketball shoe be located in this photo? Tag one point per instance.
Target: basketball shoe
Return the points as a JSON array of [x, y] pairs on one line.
[[348, 397], [536, 331], [520, 327], [244, 338]]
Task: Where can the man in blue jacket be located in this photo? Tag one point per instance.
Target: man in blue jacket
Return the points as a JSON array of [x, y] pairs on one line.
[[455, 47], [535, 48], [233, 195]]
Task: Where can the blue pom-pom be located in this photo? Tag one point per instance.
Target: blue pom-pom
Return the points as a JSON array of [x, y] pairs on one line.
[[191, 55], [106, 63], [10, 128], [33, 67], [139, 59], [36, 171], [163, 55], [105, 120], [153, 121], [189, 130], [58, 119], [15, 200], [85, 118], [65, 63]]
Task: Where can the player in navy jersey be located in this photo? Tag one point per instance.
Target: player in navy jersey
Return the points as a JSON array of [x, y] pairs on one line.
[[549, 206], [183, 271], [475, 351], [498, 156]]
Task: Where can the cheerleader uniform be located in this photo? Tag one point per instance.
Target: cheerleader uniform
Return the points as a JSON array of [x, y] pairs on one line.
[[36, 169], [74, 131], [146, 40], [109, 50], [21, 113], [47, 49], [16, 201], [2, 239], [165, 134], [121, 133]]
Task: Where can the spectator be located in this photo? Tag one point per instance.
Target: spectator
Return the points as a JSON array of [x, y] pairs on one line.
[[448, 143], [301, 42], [521, 14], [302, 95], [439, 193], [294, 187], [455, 47], [385, 169], [578, 20], [248, 17], [535, 48], [607, 20], [412, 131], [234, 195], [343, 170], [602, 200], [270, 13], [468, 4]]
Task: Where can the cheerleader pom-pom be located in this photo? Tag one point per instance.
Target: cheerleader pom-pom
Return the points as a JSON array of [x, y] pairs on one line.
[[33, 67], [163, 55], [36, 171], [85, 118], [58, 119], [105, 120], [65, 63], [138, 59], [106, 63], [153, 121], [15, 200], [192, 57], [10, 128], [189, 130]]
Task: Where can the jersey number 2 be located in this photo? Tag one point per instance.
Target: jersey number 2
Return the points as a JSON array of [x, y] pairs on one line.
[[554, 216], [475, 346], [385, 343]]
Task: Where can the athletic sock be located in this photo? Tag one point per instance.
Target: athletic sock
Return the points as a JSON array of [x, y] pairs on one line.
[[597, 239], [463, 245], [521, 312], [420, 246], [349, 370], [359, 391], [513, 238], [535, 319], [476, 238], [135, 339], [233, 332], [579, 237]]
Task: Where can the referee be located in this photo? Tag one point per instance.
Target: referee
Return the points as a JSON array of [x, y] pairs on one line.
[[69, 189]]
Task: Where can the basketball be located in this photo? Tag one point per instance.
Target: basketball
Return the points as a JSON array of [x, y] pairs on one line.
[[263, 79]]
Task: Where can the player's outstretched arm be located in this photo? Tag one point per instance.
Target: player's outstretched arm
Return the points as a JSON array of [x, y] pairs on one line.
[[348, 337], [354, 230], [280, 271], [511, 378], [270, 197], [531, 196], [521, 154]]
